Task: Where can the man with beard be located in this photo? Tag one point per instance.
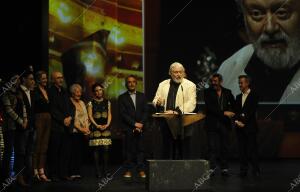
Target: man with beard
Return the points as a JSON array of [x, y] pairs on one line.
[[219, 104], [175, 96], [273, 28]]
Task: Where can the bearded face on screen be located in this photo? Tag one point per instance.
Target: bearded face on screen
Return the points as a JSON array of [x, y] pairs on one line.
[[276, 57], [273, 27]]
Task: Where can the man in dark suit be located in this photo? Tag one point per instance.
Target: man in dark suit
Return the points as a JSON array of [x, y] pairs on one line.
[[219, 103], [246, 126], [133, 112], [60, 137], [24, 136]]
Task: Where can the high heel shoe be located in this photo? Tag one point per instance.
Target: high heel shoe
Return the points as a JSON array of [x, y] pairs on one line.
[[43, 177], [36, 177]]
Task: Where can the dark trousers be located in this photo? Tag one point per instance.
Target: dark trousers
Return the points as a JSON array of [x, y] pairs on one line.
[[101, 155], [9, 139], [43, 126], [186, 148], [167, 140], [60, 146], [134, 150], [218, 144], [247, 150], [24, 143], [178, 148], [76, 155]]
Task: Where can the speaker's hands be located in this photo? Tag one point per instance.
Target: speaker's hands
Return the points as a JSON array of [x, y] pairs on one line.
[[239, 124], [229, 114], [160, 101], [171, 112]]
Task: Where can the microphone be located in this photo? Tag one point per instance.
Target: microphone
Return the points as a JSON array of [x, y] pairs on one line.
[[182, 99]]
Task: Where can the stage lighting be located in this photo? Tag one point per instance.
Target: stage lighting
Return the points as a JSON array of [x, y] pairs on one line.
[[115, 36], [63, 12]]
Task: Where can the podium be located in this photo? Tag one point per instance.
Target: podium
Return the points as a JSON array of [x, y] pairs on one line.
[[176, 122]]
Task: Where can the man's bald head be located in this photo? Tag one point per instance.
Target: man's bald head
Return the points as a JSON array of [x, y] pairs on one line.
[[57, 78]]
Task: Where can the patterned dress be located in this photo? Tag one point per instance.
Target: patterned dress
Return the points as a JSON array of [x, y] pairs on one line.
[[100, 114]]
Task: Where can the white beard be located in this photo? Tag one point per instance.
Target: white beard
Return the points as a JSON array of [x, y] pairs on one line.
[[278, 58], [177, 80]]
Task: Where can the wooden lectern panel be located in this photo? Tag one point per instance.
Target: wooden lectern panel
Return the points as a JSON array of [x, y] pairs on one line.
[[176, 123]]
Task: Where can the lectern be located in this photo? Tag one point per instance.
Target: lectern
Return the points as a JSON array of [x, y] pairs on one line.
[[177, 122]]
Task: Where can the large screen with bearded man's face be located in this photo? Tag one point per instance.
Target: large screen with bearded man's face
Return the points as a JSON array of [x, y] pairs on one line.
[[272, 55]]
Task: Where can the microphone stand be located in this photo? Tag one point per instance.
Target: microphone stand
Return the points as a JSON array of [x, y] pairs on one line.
[[182, 99]]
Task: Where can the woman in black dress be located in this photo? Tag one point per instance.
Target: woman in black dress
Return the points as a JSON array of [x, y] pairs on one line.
[[99, 111], [42, 126]]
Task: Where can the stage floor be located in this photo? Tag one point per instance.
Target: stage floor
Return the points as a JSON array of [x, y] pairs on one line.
[[277, 176]]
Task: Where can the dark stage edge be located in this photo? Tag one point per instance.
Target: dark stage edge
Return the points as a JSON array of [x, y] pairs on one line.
[[277, 176]]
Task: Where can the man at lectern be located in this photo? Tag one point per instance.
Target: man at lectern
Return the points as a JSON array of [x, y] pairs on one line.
[[175, 96]]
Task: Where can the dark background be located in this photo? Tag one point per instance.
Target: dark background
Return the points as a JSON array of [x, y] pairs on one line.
[[24, 31], [212, 24]]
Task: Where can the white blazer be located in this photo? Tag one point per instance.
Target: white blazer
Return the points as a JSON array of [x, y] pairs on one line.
[[185, 98], [235, 65]]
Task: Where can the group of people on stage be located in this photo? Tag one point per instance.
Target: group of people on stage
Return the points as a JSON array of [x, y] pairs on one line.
[[39, 120], [178, 96], [222, 111]]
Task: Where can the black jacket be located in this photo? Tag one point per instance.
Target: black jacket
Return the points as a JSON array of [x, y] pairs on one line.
[[29, 107], [41, 105], [129, 115], [214, 113], [60, 108], [247, 113]]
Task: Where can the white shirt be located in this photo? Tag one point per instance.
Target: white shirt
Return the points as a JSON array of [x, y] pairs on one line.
[[27, 92], [244, 96], [133, 97]]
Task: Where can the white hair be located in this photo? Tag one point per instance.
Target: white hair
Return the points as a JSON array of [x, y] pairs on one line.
[[74, 87], [176, 64], [275, 57]]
